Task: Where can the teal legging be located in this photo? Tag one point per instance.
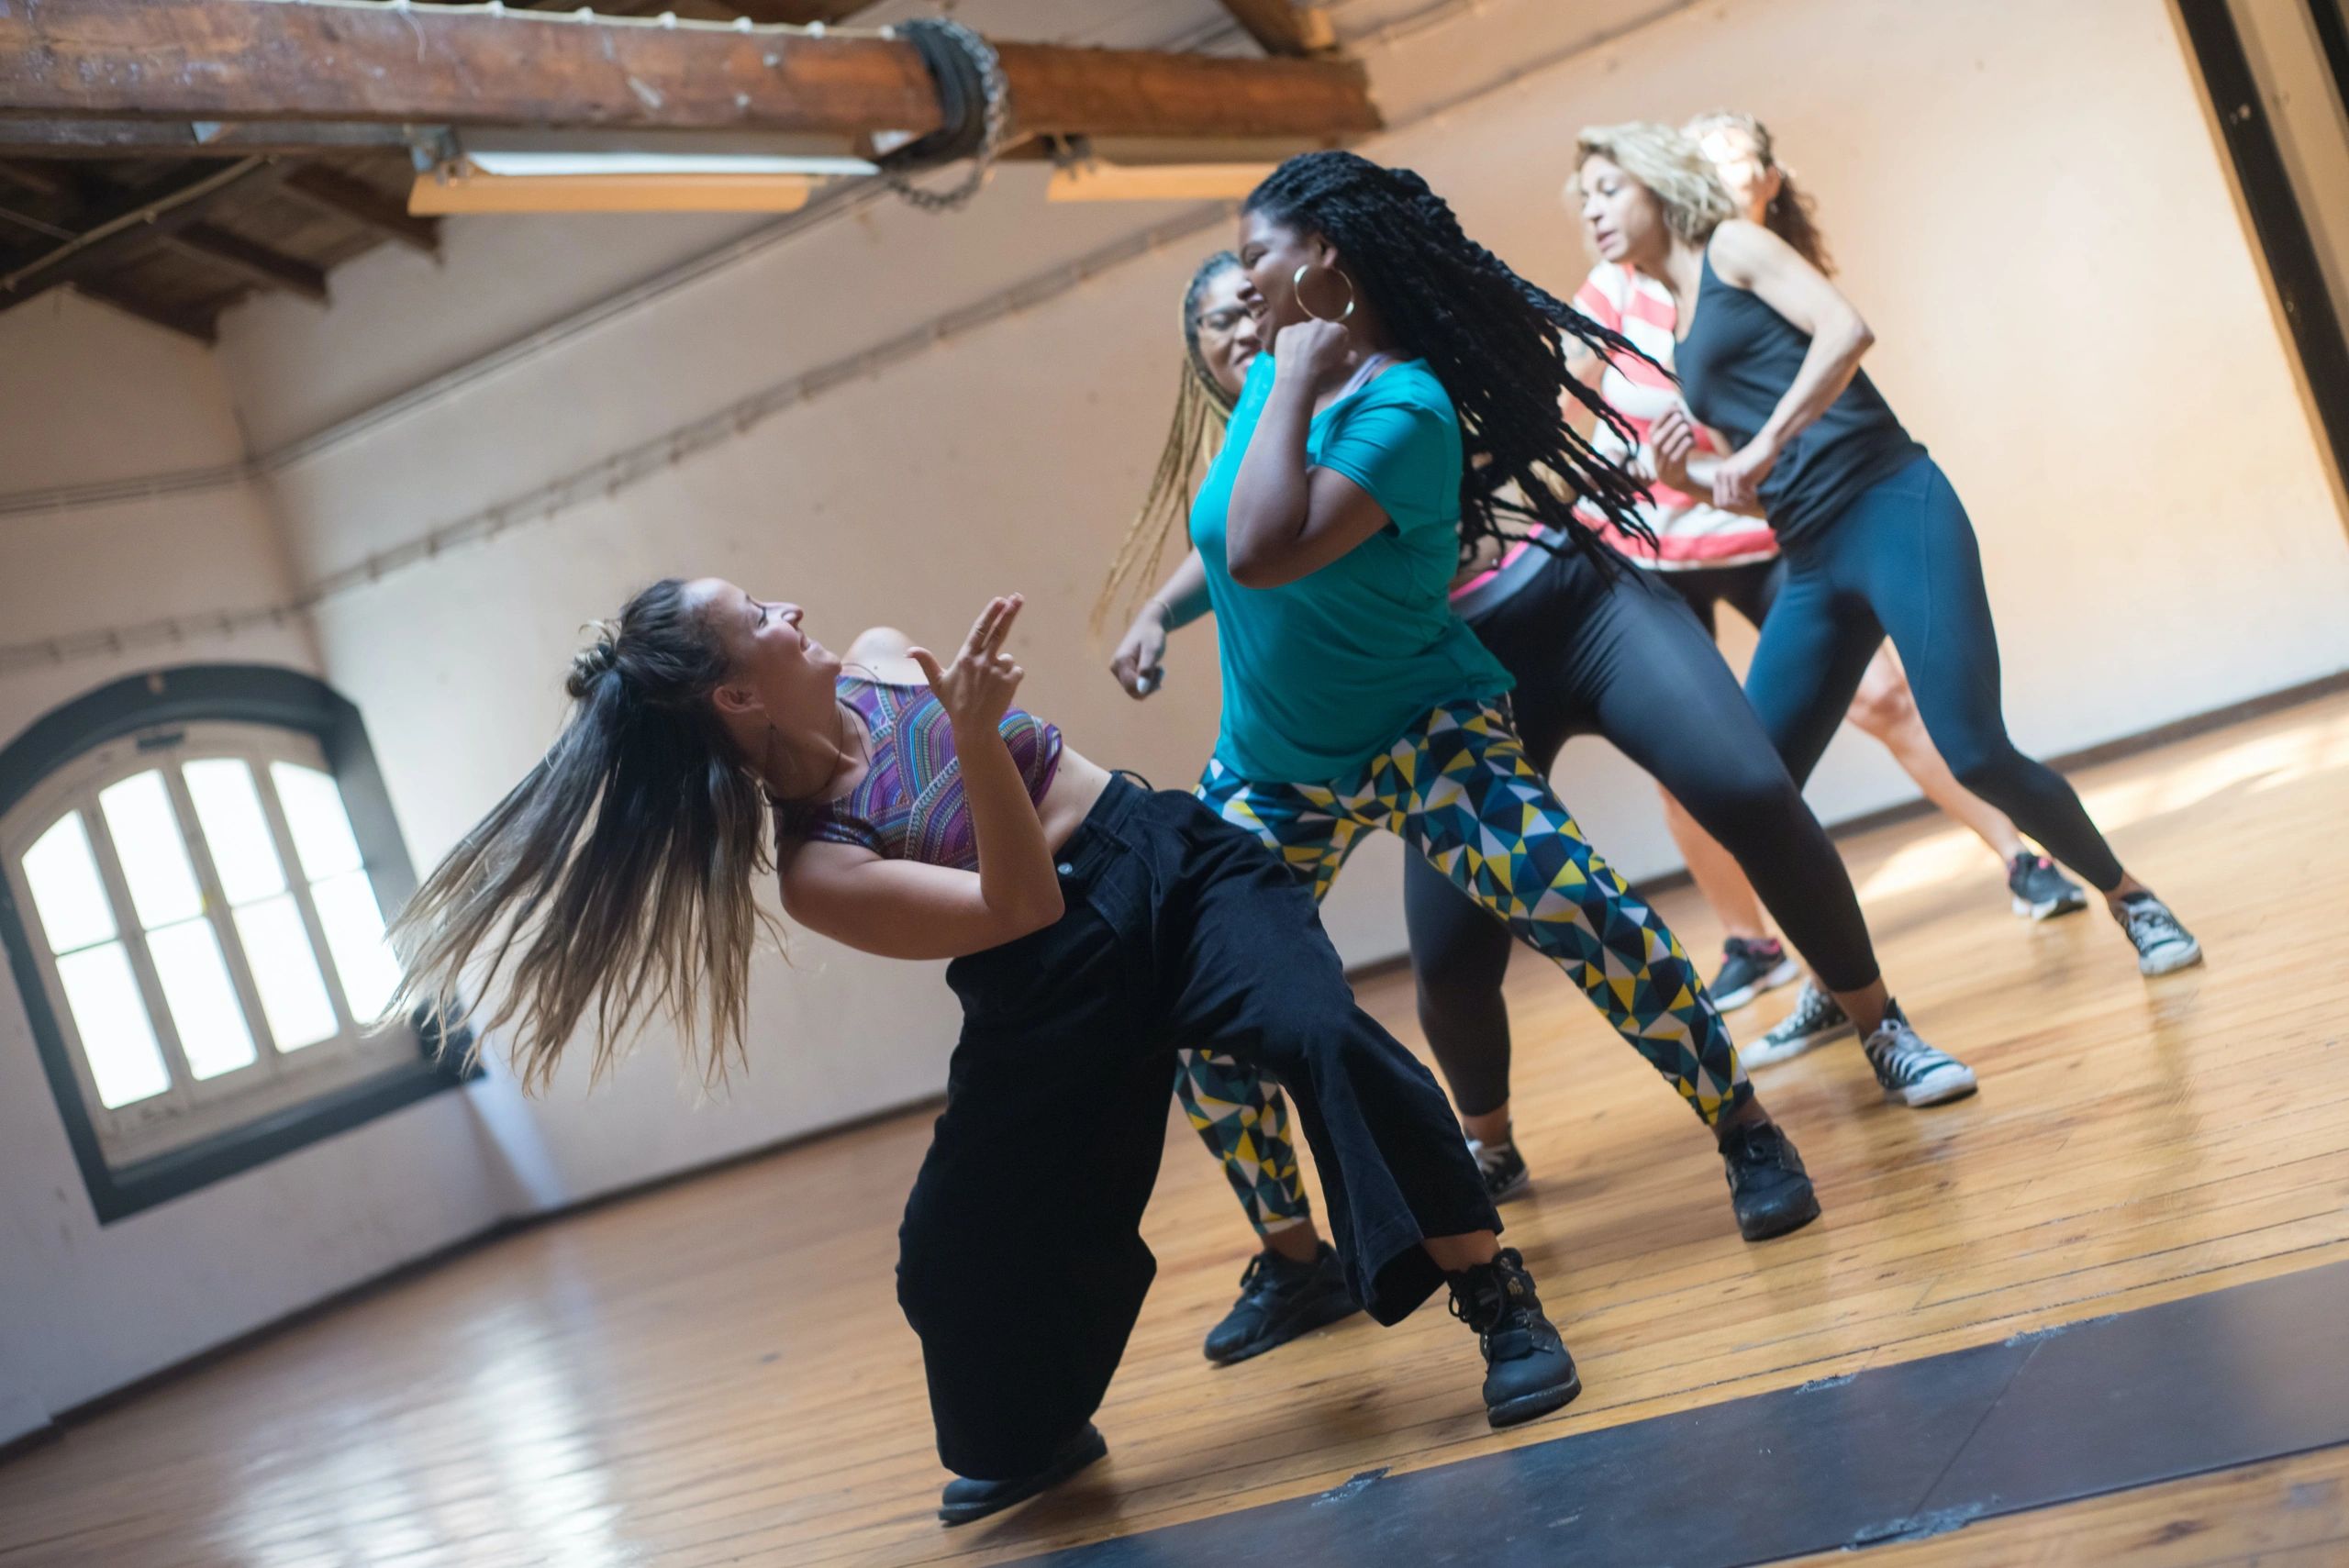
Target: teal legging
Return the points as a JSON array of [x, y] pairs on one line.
[[1902, 560]]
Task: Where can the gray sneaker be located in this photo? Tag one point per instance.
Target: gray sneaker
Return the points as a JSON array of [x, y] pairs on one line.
[[1817, 1019], [1912, 1071], [2162, 943]]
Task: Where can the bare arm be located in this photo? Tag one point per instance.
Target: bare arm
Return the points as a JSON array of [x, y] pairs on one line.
[[899, 909], [1139, 662], [1748, 255], [1288, 520]]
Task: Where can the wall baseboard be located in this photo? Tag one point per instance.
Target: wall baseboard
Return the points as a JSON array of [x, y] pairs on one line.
[[2106, 752]]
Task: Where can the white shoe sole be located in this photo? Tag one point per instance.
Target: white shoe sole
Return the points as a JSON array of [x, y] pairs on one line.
[[1731, 1001], [2169, 959], [1937, 1090], [2048, 908], [1763, 1052]]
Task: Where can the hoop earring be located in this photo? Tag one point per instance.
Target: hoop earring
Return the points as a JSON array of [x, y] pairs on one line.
[[1296, 292]]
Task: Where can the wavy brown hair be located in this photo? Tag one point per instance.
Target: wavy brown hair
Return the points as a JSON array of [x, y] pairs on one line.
[[616, 879], [1792, 216]]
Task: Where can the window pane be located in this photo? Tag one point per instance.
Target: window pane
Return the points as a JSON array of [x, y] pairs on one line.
[[355, 935], [117, 1038], [63, 876], [213, 1033], [228, 807], [154, 858], [293, 993], [321, 828]]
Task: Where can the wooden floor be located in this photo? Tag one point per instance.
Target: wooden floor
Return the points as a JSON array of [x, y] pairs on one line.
[[716, 1373]]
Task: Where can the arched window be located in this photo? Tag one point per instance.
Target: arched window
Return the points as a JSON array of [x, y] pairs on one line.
[[198, 864]]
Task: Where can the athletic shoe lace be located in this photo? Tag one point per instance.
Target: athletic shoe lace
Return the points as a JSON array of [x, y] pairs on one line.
[[2150, 923], [1812, 1008], [1903, 1055]]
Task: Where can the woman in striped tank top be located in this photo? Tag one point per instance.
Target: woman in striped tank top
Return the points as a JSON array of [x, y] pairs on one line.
[[1095, 927]]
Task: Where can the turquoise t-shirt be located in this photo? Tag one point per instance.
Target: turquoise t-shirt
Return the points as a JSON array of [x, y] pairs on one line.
[[1322, 674]]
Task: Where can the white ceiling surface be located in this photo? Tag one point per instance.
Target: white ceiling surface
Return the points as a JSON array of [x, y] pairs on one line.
[[511, 316]]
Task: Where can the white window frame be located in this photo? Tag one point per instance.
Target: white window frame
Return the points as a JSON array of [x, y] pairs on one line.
[[192, 1110]]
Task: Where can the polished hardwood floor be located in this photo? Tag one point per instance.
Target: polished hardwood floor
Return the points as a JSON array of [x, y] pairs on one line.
[[716, 1373]]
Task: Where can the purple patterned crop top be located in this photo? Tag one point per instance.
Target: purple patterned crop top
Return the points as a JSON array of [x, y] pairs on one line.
[[909, 806]]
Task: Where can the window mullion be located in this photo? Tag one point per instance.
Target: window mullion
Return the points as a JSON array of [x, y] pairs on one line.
[[134, 942], [297, 883], [224, 925]]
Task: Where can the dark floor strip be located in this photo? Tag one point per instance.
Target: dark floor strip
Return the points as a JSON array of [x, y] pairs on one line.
[[2251, 1372]]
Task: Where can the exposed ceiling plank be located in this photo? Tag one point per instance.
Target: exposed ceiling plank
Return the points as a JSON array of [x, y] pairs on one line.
[[235, 59], [1280, 28], [40, 181], [252, 262], [349, 197], [185, 138], [200, 324], [130, 227]]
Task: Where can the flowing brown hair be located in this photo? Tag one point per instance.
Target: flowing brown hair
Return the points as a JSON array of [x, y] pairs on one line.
[[617, 877], [1792, 216], [1202, 409]]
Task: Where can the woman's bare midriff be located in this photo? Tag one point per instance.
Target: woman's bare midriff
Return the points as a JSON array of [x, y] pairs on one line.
[[1078, 784]]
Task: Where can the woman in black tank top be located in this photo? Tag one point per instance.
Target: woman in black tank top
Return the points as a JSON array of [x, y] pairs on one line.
[[1875, 542]]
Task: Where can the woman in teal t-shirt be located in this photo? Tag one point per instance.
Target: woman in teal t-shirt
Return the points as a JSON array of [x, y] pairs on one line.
[[1330, 528]]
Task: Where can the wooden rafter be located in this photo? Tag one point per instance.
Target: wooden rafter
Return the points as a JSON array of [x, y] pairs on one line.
[[199, 322], [183, 139], [233, 60], [1280, 28], [348, 197], [251, 261], [129, 226]]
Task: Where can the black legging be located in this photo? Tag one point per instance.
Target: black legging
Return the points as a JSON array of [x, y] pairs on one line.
[[1628, 661], [1902, 560]]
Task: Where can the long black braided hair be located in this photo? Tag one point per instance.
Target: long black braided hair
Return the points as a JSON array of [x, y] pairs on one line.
[[1493, 340]]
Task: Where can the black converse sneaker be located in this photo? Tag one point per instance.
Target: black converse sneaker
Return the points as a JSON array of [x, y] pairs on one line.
[[1911, 1072], [1502, 1167], [1748, 969], [1816, 1019], [1280, 1299], [964, 1499], [1768, 1188], [2041, 892], [1527, 1369], [2162, 943]]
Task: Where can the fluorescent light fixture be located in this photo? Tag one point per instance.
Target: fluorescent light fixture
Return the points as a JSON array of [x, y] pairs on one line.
[[1153, 181], [600, 177]]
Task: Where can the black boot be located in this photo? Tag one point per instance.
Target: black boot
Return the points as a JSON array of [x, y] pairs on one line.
[[1280, 1299], [1527, 1369], [964, 1500], [1767, 1186]]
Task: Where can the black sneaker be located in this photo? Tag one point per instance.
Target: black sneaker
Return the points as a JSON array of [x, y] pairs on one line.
[[1767, 1186], [1527, 1369], [2162, 943], [1280, 1299], [1748, 969], [1816, 1019], [2041, 892], [964, 1500], [1502, 1167], [1910, 1071]]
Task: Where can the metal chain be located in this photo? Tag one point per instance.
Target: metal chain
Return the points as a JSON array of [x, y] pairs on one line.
[[998, 106]]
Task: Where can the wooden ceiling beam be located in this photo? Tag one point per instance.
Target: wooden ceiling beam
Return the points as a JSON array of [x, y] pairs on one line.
[[349, 197], [1280, 28], [250, 262], [185, 138], [199, 323], [232, 59], [130, 227]]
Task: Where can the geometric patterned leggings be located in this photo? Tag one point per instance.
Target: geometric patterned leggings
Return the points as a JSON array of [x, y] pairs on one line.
[[1458, 790]]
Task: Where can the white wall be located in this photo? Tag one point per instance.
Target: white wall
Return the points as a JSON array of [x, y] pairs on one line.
[[87, 394], [2027, 205]]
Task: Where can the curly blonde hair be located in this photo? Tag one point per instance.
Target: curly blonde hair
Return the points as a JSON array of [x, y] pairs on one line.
[[1673, 167], [1791, 215]]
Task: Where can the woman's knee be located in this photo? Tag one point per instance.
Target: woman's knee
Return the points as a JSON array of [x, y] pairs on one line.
[[1748, 805], [1883, 704]]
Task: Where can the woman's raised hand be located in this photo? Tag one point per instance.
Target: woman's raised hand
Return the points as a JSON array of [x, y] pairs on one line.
[[1139, 662], [976, 689], [1313, 352]]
